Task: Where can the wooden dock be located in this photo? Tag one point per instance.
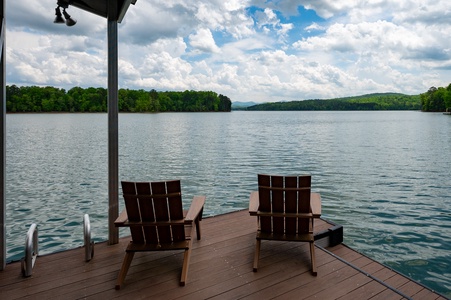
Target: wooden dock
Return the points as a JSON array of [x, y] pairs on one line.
[[220, 268]]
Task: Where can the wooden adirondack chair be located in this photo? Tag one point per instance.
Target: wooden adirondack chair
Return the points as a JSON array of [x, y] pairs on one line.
[[285, 210], [154, 213]]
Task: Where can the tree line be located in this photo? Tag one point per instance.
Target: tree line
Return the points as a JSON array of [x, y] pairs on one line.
[[436, 99], [77, 99], [384, 101]]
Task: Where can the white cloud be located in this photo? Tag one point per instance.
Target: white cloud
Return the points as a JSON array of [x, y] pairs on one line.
[[314, 27], [383, 41], [203, 40], [227, 16], [246, 49]]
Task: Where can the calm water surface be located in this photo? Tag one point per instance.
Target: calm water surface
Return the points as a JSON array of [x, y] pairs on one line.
[[384, 176]]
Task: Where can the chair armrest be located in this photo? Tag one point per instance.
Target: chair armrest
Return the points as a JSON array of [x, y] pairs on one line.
[[195, 209], [253, 203], [123, 217], [315, 204]]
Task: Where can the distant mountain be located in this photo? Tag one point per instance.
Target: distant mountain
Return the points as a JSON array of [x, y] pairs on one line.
[[238, 104], [379, 101]]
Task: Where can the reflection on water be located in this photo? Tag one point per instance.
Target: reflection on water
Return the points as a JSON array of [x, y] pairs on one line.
[[383, 175]]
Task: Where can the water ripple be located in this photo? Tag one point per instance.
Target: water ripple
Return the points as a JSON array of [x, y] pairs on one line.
[[380, 174]]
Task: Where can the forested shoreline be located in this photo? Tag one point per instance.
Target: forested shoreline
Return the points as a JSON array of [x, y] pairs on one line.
[[434, 100], [77, 99], [385, 101]]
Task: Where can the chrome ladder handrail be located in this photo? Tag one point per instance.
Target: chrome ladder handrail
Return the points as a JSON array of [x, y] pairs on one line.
[[31, 251], [89, 245]]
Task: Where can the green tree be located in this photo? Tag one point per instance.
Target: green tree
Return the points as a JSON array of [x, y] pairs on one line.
[[166, 103], [154, 105], [225, 104], [435, 99], [448, 97], [142, 103]]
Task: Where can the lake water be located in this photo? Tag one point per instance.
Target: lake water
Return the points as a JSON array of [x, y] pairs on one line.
[[384, 176]]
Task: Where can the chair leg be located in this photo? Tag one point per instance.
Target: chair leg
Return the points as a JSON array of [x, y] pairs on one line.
[[312, 257], [124, 269], [186, 260], [256, 254], [197, 221]]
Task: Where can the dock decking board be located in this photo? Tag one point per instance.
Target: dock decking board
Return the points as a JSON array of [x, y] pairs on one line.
[[220, 268]]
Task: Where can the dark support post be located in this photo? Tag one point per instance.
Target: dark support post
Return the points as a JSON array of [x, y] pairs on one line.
[[113, 124], [3, 139]]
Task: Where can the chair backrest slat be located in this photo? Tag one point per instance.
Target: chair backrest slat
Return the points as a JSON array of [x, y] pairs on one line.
[[265, 202], [291, 203], [133, 212], [304, 225], [284, 194], [278, 223], [147, 211], [176, 209], [161, 211]]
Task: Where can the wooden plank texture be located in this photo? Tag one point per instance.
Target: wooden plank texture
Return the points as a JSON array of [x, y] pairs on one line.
[[220, 268]]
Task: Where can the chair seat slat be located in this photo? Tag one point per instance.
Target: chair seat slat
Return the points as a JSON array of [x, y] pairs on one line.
[[286, 237]]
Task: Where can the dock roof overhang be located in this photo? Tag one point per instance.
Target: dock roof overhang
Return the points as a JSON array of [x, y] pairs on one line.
[[100, 7]]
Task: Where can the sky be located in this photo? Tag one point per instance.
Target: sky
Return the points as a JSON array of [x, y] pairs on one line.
[[247, 50]]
